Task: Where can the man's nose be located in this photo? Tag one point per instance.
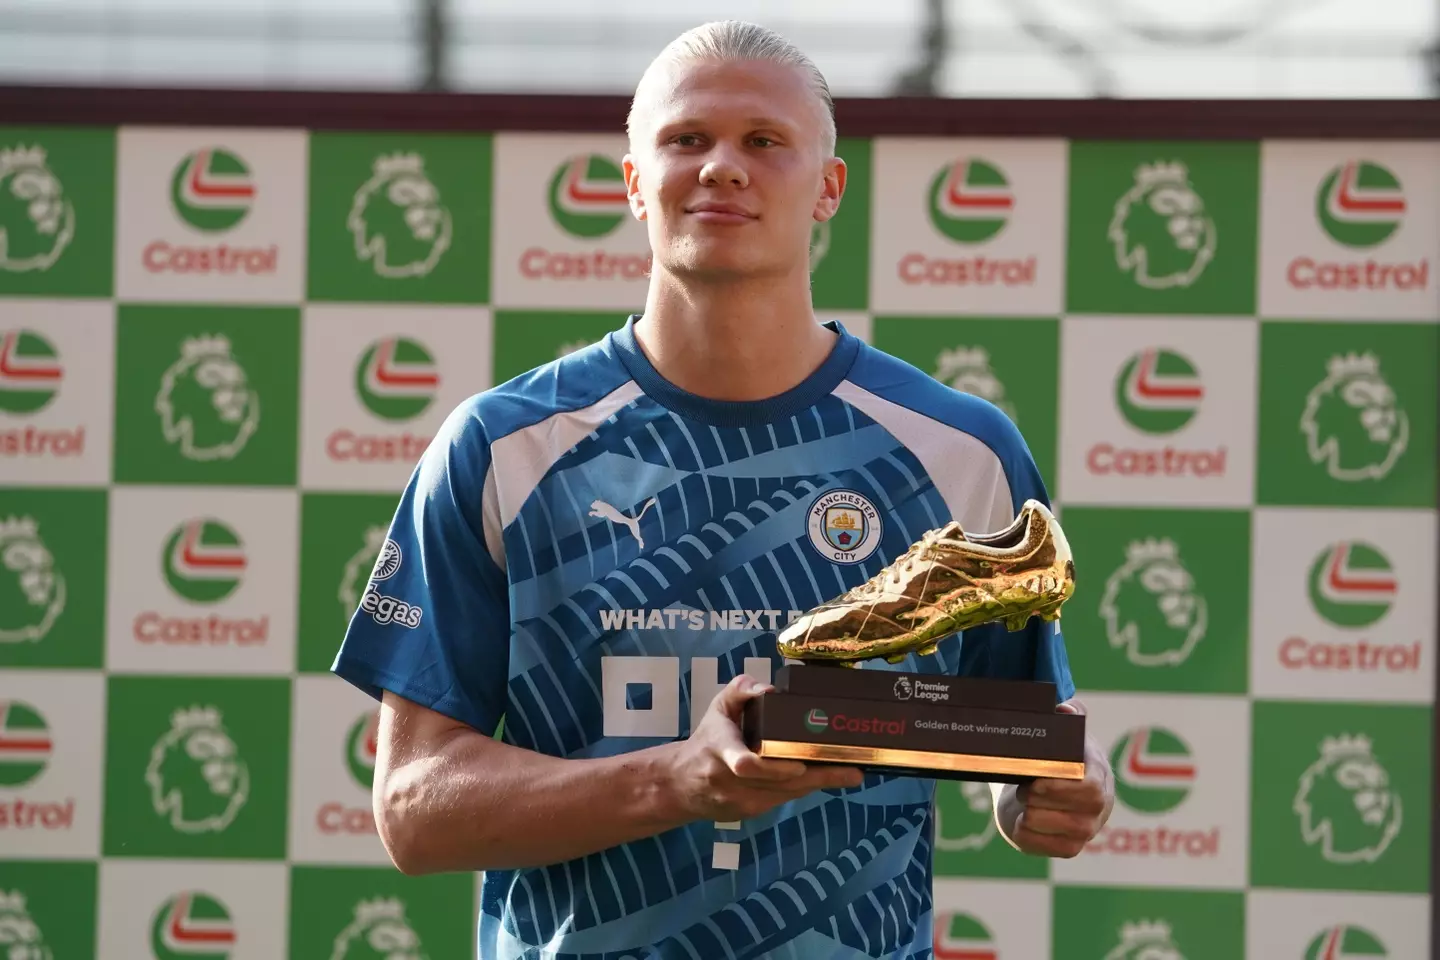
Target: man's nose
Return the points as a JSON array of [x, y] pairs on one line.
[[724, 167]]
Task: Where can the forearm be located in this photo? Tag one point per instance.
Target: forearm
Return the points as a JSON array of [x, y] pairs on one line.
[[473, 804]]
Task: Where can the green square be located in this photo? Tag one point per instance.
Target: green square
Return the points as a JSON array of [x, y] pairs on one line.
[[1197, 256], [63, 244], [160, 801], [56, 616], [340, 540], [59, 898], [526, 339], [967, 841], [333, 910], [840, 247], [399, 217], [1012, 362], [1347, 414], [1162, 599], [1130, 923], [207, 394], [1341, 796]]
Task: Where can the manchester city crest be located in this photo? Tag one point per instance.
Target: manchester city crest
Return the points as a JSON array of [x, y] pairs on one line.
[[844, 526]]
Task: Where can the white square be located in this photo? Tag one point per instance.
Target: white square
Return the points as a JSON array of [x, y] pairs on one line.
[[725, 856], [331, 818], [969, 226], [378, 382], [185, 597], [1182, 793], [992, 918], [52, 754], [567, 237], [1348, 229], [209, 215], [1343, 605], [150, 907], [1286, 923], [1157, 410], [57, 378]]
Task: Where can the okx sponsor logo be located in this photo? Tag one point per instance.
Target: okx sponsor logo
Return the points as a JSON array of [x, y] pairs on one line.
[[193, 924], [204, 562], [1346, 941], [31, 376], [960, 936]]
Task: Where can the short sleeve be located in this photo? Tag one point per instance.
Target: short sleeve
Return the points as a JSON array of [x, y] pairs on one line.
[[433, 625], [1037, 650]]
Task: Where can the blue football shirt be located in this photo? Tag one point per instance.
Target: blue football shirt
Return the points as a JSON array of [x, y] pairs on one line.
[[590, 553]]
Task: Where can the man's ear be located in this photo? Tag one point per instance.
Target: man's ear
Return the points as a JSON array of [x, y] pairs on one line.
[[832, 189], [632, 186]]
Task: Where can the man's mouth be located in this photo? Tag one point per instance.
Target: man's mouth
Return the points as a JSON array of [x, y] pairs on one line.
[[721, 213]]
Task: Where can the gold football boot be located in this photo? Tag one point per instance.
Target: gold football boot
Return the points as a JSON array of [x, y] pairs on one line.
[[947, 581]]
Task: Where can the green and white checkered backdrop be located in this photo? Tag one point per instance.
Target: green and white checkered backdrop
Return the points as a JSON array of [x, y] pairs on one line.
[[224, 349]]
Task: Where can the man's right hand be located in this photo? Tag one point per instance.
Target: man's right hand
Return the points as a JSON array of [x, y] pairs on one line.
[[713, 775]]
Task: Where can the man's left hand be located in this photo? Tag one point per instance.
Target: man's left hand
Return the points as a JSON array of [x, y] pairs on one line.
[[1057, 818]]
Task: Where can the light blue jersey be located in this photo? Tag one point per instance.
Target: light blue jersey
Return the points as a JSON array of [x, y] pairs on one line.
[[591, 553]]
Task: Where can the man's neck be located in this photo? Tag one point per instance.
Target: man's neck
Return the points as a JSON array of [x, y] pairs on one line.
[[738, 341]]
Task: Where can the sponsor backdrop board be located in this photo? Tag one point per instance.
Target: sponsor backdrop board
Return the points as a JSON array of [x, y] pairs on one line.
[[223, 350]]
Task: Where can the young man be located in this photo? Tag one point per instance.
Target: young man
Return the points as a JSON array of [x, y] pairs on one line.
[[591, 551]]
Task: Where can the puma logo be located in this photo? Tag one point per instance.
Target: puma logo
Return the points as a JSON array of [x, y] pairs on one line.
[[601, 509]]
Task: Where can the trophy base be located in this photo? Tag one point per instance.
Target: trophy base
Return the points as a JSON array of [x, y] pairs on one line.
[[919, 725]]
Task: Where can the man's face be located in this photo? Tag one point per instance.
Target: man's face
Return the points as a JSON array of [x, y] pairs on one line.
[[729, 169]]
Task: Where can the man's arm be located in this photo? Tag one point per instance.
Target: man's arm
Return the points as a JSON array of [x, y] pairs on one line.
[[449, 798], [1057, 818]]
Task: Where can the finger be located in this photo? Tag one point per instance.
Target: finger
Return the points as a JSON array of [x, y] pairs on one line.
[[730, 701], [1038, 842], [746, 765], [1055, 823], [1080, 796]]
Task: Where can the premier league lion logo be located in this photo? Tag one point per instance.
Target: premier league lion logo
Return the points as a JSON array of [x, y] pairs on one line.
[[1151, 607], [967, 369], [20, 936], [1352, 423], [32, 591], [1346, 804], [397, 220], [37, 220], [378, 932], [206, 404], [1161, 232], [197, 778], [1145, 941]]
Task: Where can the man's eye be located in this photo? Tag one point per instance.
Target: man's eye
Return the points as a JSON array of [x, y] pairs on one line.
[[762, 141], [687, 139]]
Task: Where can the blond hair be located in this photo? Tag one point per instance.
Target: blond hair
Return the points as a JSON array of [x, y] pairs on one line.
[[733, 40]]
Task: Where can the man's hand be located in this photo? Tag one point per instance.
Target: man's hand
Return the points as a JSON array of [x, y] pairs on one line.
[[714, 776], [1057, 818]]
